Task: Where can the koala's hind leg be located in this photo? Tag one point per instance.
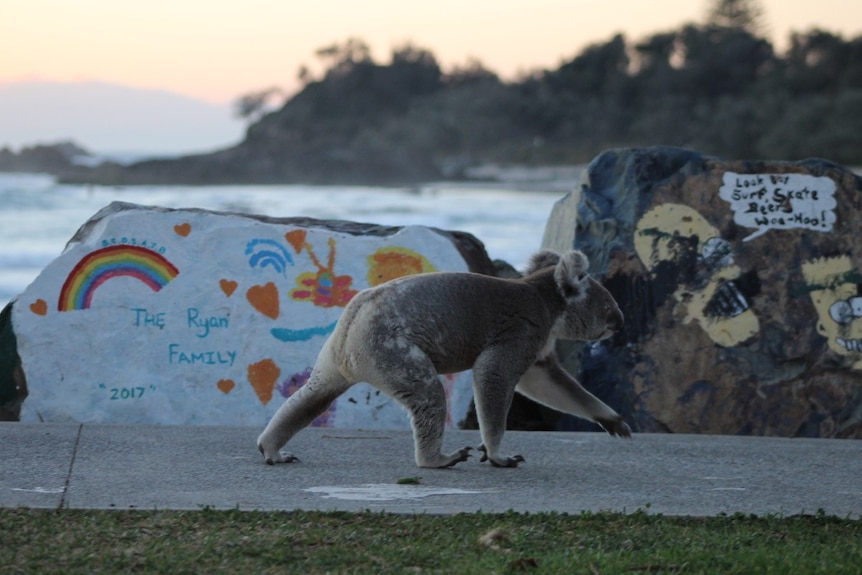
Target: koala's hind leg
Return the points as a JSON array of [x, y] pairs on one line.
[[324, 385], [546, 382], [417, 387]]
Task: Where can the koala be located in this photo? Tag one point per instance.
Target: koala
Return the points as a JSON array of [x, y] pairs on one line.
[[400, 335]]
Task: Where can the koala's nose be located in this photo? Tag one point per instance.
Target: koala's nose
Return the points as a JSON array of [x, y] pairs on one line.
[[615, 320]]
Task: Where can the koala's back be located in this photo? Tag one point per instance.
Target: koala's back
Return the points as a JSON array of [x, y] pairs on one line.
[[466, 301], [449, 317]]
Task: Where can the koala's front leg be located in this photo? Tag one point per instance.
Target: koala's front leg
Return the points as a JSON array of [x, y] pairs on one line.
[[546, 382], [493, 388]]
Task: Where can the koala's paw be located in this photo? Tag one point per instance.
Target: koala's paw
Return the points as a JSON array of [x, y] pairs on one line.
[[459, 456], [616, 427], [279, 457], [440, 461], [500, 461], [282, 458], [507, 461]]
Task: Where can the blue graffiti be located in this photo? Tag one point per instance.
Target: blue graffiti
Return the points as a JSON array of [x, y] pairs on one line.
[[289, 335], [268, 253]]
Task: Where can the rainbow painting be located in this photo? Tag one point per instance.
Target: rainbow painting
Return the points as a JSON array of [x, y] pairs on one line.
[[99, 266]]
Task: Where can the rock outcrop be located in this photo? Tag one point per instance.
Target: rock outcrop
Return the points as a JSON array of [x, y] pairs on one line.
[[56, 158], [156, 315], [741, 285]]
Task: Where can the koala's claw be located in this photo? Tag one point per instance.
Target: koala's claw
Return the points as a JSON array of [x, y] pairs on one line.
[[463, 455], [616, 427], [506, 462]]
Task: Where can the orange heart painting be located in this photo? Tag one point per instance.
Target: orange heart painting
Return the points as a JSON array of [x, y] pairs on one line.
[[263, 376], [39, 307], [225, 385], [227, 286], [264, 299], [296, 238], [183, 229]]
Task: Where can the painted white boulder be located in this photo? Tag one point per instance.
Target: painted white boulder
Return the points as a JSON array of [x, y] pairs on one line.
[[194, 317]]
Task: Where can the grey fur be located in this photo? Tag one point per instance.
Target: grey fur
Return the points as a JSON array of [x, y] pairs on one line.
[[400, 335]]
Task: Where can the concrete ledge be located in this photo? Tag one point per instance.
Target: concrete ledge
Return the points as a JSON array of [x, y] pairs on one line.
[[167, 467]]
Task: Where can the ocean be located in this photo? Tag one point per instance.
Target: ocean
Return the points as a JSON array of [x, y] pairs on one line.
[[38, 215]]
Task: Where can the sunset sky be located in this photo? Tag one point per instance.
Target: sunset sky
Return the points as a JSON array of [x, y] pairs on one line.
[[216, 50]]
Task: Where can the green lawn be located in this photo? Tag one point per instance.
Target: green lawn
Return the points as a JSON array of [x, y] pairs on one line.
[[247, 543]]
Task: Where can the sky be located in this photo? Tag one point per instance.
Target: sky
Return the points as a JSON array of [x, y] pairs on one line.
[[218, 50]]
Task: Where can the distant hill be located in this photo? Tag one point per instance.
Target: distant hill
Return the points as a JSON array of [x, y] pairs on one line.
[[110, 118], [720, 90]]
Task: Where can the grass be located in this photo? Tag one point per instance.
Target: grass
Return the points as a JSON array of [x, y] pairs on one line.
[[209, 541]]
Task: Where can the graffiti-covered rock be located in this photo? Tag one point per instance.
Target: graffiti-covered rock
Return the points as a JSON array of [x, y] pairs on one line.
[[741, 282], [154, 315]]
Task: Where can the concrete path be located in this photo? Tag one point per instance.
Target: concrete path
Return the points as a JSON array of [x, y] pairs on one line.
[[159, 467]]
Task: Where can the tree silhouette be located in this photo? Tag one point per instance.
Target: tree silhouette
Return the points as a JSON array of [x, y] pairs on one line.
[[341, 58], [254, 105], [745, 15]]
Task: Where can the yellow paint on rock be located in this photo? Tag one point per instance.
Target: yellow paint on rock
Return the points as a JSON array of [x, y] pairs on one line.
[[653, 235], [830, 290]]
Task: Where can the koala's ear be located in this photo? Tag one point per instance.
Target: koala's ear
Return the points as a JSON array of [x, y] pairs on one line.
[[571, 274], [541, 259]]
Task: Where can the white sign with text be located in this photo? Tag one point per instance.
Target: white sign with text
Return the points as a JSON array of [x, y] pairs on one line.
[[779, 201]]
